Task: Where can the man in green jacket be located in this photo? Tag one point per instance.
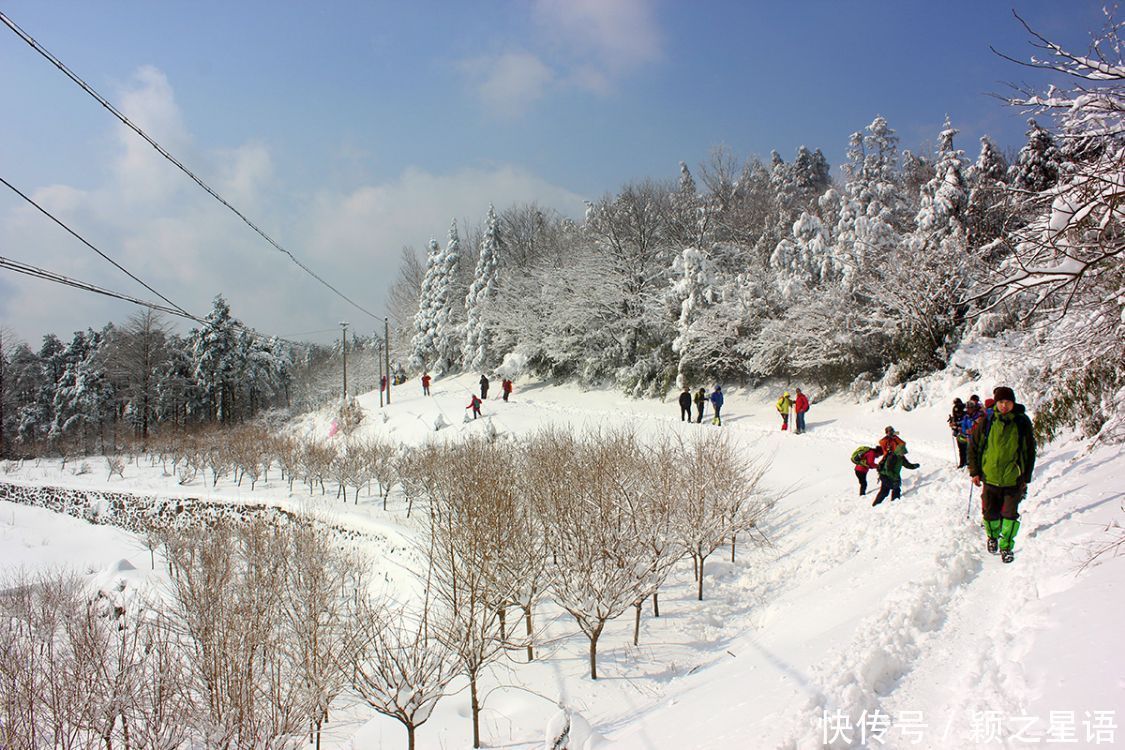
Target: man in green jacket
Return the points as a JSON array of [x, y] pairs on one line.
[[890, 473], [1001, 458]]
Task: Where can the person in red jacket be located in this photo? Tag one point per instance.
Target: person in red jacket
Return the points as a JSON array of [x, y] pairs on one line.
[[800, 405], [474, 404], [425, 384], [506, 386], [870, 461]]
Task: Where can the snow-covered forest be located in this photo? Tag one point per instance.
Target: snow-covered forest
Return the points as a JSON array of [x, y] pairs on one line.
[[208, 542]]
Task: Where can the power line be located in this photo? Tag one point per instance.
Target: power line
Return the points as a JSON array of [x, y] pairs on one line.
[[59, 278], [81, 239], [163, 152]]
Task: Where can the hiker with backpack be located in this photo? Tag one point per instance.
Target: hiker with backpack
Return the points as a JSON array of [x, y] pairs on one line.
[[890, 473], [474, 404], [1001, 460], [865, 458], [962, 442], [890, 440], [506, 387], [700, 402], [784, 404], [717, 405]]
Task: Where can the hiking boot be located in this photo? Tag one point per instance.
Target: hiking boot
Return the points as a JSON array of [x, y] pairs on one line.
[[1007, 556], [993, 545]]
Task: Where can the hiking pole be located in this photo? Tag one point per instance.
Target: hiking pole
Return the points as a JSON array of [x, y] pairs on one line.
[[969, 507]]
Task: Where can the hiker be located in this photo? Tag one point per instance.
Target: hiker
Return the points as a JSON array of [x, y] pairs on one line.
[[425, 384], [474, 404], [865, 459], [973, 414], [1001, 459], [954, 421], [784, 404], [700, 402], [484, 387], [383, 383], [506, 386], [890, 474], [800, 406], [717, 405], [890, 441], [685, 404], [988, 404]]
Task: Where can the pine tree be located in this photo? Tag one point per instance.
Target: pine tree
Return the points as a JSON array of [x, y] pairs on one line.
[[477, 353], [448, 309], [423, 347], [215, 357], [987, 211], [1037, 166]]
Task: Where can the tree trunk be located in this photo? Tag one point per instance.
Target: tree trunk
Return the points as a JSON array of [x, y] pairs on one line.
[[527, 619], [733, 538], [701, 578], [476, 709], [502, 611], [410, 736], [656, 604], [637, 623], [594, 650]]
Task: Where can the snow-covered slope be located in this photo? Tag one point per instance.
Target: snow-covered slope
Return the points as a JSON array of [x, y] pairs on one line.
[[887, 625]]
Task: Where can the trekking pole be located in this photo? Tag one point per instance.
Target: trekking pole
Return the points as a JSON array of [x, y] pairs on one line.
[[969, 507]]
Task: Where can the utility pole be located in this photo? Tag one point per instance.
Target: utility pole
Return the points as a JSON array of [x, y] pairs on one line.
[[344, 349], [387, 350], [382, 377]]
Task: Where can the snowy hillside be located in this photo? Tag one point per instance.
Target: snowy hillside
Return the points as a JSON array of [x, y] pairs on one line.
[[886, 626]]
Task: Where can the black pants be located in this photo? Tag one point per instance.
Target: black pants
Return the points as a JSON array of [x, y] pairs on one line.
[[699, 412], [685, 413], [862, 477], [962, 454], [888, 486], [484, 393], [1000, 502]]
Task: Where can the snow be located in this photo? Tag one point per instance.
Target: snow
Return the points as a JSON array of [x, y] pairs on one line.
[[889, 624]]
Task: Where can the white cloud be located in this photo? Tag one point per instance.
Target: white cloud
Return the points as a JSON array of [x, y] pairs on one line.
[[509, 83], [588, 44], [612, 37]]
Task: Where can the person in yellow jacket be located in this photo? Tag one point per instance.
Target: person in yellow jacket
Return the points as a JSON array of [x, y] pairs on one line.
[[784, 405]]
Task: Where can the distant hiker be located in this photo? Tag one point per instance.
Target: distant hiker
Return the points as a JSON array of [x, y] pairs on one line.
[[975, 399], [988, 404], [717, 405], [506, 386], [890, 474], [865, 458], [474, 404], [383, 383], [425, 384], [1002, 458], [954, 421], [484, 387], [700, 402], [800, 406], [973, 414], [784, 404], [685, 404], [890, 440]]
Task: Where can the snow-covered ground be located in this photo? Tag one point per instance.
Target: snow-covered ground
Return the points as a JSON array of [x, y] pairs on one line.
[[888, 626]]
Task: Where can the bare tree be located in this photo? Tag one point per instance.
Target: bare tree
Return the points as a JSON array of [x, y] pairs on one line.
[[136, 352], [399, 666]]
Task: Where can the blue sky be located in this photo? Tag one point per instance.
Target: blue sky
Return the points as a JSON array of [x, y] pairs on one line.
[[350, 129]]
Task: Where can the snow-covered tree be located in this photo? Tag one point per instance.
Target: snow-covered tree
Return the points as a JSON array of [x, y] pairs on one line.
[[1037, 166], [987, 212], [423, 345], [478, 353]]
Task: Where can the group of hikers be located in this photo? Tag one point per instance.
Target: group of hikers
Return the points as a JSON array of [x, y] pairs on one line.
[[700, 400], [995, 441], [506, 388], [785, 405], [888, 458]]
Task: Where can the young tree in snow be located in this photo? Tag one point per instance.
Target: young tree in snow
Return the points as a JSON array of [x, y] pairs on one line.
[[478, 352]]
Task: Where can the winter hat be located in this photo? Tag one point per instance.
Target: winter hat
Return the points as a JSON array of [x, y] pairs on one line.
[[785, 395], [988, 402], [1004, 393], [890, 430]]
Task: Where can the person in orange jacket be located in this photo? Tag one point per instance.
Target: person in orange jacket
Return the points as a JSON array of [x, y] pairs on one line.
[[425, 384]]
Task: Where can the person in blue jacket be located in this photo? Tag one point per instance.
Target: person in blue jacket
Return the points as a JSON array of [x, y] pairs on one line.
[[717, 404]]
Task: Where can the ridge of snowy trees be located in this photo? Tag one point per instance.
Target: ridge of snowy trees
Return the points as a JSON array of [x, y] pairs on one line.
[[129, 379]]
